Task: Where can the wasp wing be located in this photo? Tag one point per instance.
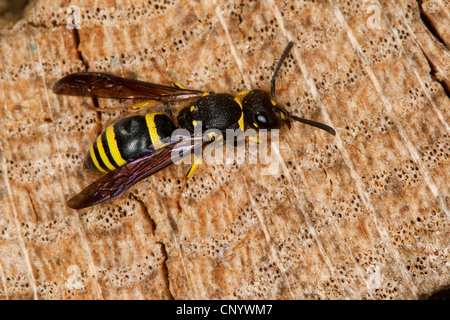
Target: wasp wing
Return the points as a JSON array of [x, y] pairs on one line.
[[120, 180], [104, 85]]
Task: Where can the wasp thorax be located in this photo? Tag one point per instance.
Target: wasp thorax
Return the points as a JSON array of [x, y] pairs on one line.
[[260, 112]]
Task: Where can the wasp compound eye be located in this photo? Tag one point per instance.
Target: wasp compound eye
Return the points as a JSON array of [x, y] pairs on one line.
[[261, 119]]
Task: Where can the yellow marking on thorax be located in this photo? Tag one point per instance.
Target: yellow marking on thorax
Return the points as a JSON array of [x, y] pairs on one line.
[[94, 159], [241, 119], [152, 130], [243, 93], [103, 156], [113, 147]]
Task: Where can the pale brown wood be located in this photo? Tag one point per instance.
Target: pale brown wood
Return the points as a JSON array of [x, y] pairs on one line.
[[362, 215]]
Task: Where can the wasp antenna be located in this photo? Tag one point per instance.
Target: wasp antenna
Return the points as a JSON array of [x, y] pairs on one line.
[[314, 124], [277, 68]]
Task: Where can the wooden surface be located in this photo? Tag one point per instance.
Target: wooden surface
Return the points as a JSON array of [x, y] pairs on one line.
[[362, 215]]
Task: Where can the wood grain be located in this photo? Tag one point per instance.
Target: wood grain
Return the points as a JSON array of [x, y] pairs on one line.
[[362, 215]]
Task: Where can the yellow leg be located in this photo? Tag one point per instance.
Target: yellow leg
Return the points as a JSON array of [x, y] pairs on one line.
[[254, 139], [177, 85], [192, 169], [143, 105]]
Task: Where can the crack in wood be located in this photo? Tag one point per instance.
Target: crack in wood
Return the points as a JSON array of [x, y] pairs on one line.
[[33, 207], [429, 23], [164, 268], [146, 212], [434, 73], [77, 40]]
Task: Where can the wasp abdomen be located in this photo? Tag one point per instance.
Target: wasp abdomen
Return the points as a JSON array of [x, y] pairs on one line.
[[128, 139]]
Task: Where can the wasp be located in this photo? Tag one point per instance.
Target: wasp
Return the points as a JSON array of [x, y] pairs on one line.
[[136, 147]]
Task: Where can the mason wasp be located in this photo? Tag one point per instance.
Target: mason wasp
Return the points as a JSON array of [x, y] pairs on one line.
[[136, 147]]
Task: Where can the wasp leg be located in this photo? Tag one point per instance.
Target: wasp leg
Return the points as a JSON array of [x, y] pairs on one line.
[[193, 167], [191, 171], [179, 86], [254, 139], [143, 105]]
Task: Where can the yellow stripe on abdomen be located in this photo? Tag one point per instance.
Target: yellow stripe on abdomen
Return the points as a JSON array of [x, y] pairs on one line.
[[103, 155], [112, 146], [153, 132], [94, 159]]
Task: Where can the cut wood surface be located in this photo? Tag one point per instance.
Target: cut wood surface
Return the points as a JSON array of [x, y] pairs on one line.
[[360, 215]]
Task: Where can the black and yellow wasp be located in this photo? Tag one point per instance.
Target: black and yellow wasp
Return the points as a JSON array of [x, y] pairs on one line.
[[138, 146]]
